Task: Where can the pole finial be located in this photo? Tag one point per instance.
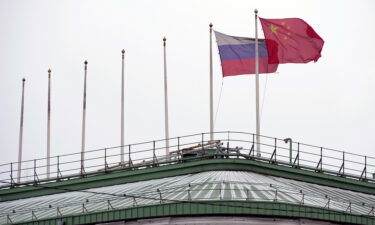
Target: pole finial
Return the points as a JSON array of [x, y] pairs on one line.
[[86, 62], [164, 40], [256, 11], [211, 25], [23, 79], [49, 71], [123, 51]]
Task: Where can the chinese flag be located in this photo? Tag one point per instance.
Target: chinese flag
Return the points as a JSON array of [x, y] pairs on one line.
[[291, 40]]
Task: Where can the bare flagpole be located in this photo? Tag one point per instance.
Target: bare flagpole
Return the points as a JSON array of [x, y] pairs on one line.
[[122, 106], [83, 123], [257, 84], [49, 124], [21, 133], [211, 90], [166, 100]]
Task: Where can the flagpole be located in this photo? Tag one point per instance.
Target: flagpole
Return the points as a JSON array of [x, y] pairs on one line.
[[21, 133], [49, 124], [122, 106], [166, 100], [257, 84], [83, 122], [211, 90]]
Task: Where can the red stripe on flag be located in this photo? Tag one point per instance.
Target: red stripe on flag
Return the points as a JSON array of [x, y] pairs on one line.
[[246, 66]]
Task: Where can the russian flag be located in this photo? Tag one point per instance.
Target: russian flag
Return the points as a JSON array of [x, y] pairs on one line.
[[237, 55]]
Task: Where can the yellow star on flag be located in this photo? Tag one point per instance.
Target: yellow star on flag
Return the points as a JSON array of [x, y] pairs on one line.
[[273, 28]]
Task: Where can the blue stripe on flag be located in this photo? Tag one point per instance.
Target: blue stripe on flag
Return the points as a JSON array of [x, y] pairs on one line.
[[244, 51]]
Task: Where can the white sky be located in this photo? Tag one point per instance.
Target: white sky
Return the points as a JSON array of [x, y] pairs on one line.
[[329, 103]]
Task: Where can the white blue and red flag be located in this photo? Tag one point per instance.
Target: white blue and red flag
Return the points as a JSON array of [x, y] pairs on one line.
[[237, 55]]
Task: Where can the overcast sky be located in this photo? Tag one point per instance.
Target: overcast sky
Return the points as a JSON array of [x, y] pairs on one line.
[[329, 103]]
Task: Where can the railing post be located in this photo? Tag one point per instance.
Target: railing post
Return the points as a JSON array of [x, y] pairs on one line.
[[105, 160], [129, 158], [228, 141], [178, 148], [320, 163], [82, 165], [365, 167], [298, 154], [291, 152], [11, 175], [253, 146], [153, 152], [343, 162], [58, 168], [275, 150], [35, 180], [202, 140], [321, 158]]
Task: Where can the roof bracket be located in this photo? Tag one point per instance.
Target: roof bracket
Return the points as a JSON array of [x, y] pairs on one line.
[[303, 198], [9, 221], [189, 195], [371, 213], [134, 202], [327, 204], [33, 216], [84, 209], [349, 208], [58, 212], [110, 205], [161, 199], [247, 195], [275, 199]]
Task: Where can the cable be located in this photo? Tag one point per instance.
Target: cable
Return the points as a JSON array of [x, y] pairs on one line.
[[218, 103], [264, 97]]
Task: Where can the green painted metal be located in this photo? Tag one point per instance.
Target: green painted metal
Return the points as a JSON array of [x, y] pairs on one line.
[[210, 208], [122, 176]]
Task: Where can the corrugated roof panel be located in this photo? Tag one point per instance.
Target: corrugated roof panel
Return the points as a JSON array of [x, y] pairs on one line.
[[212, 185]]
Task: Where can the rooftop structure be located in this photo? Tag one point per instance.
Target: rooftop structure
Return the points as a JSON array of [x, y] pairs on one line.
[[218, 181]]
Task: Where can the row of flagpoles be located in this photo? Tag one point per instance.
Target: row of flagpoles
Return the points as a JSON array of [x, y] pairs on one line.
[[305, 47], [83, 140]]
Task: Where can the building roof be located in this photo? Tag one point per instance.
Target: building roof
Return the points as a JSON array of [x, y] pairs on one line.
[[203, 186], [198, 177]]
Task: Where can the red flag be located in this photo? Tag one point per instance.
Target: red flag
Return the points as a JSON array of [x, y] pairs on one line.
[[291, 40]]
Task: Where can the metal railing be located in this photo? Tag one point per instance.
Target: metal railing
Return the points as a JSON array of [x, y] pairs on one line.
[[227, 144]]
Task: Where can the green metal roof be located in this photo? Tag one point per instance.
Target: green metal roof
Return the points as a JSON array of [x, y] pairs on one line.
[[204, 186], [198, 177]]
